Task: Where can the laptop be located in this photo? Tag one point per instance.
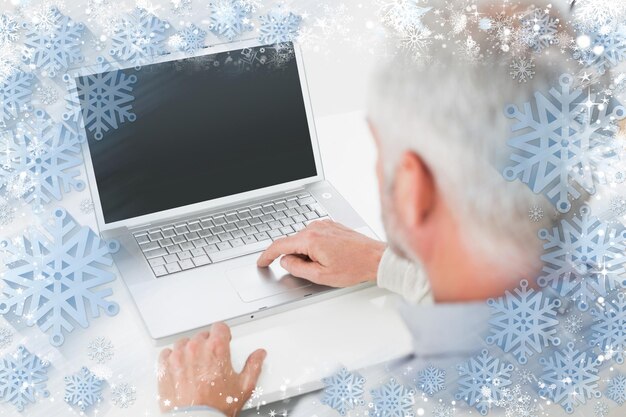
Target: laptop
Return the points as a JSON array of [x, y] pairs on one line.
[[209, 159]]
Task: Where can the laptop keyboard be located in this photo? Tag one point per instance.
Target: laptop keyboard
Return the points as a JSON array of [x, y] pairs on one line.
[[211, 239]]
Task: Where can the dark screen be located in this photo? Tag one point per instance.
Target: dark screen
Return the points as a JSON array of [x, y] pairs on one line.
[[205, 127]]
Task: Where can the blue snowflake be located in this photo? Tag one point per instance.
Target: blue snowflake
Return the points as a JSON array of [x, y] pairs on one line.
[[481, 381], [45, 156], [54, 50], [583, 259], [56, 280], [539, 30], [279, 26], [229, 18], [105, 98], [343, 391], [606, 49], [616, 389], [23, 377], [189, 40], [570, 378], [555, 140], [431, 380], [523, 321], [609, 329], [8, 29], [83, 389], [393, 400], [139, 37], [15, 94]]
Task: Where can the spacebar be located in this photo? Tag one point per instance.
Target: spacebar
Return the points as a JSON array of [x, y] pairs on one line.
[[240, 251]]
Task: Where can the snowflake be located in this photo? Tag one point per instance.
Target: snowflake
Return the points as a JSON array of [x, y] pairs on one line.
[[54, 50], [522, 69], [6, 337], [8, 29], [47, 95], [343, 391], [41, 156], [100, 350], [583, 258], [535, 214], [10, 59], [443, 410], [517, 403], [15, 94], [7, 214], [189, 40], [525, 376], [600, 409], [402, 15], [481, 381], [105, 98], [86, 206], [393, 400], [83, 389], [609, 329], [55, 278], [570, 377], [123, 395], [616, 389], [431, 380], [539, 30], [417, 40], [255, 400], [279, 26], [229, 18], [139, 37], [23, 377], [500, 30], [574, 323], [601, 50], [181, 7], [555, 147], [523, 321], [594, 14], [618, 205]]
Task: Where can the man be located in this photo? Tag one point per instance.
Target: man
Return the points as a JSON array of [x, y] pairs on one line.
[[458, 232]]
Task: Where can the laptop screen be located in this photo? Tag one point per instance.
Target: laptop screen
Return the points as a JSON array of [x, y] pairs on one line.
[[199, 129]]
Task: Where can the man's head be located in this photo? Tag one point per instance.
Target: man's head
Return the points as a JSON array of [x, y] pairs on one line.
[[441, 134]]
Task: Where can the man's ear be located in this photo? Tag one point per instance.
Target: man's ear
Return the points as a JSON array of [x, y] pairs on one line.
[[414, 192]]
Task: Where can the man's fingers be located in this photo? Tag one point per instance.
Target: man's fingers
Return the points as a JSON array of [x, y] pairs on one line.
[[165, 353], [301, 268], [285, 245], [221, 331], [181, 343], [252, 370]]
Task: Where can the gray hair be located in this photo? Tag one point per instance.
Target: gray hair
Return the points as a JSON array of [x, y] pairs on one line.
[[451, 113]]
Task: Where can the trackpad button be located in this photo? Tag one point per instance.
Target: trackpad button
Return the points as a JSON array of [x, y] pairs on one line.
[[253, 283]]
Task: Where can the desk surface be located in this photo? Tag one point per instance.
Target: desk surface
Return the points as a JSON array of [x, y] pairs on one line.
[[303, 344]]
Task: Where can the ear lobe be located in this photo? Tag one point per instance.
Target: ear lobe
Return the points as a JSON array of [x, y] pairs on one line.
[[414, 190]]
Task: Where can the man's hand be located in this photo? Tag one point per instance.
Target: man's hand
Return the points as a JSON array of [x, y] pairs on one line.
[[327, 253], [198, 371]]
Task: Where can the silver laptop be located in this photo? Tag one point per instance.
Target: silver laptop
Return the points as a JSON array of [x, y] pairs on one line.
[[220, 159]]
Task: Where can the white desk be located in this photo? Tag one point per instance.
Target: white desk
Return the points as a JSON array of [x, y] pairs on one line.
[[303, 345]]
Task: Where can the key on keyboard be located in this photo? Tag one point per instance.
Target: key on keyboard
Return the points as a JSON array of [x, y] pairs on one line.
[[227, 235]]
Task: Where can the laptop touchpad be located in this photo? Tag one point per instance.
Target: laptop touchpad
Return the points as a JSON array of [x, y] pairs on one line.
[[253, 283]]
